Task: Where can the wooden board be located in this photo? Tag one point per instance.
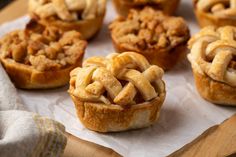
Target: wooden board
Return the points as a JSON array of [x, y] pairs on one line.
[[79, 148], [14, 10], [217, 141]]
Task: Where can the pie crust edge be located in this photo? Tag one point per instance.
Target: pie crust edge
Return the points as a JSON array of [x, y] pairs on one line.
[[26, 77], [123, 8], [214, 91], [206, 19], [82, 26], [114, 118], [163, 58]]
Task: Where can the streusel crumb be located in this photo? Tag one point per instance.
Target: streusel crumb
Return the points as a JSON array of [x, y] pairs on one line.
[[148, 29], [44, 48]]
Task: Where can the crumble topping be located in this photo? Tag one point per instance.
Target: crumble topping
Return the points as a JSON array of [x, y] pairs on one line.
[[44, 48], [149, 29]]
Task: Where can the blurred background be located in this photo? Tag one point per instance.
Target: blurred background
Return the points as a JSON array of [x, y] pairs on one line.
[[3, 3]]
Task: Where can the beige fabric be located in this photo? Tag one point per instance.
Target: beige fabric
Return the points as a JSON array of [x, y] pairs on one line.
[[25, 134], [8, 94]]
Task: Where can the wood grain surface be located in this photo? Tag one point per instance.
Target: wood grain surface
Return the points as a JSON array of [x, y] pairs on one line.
[[79, 148], [14, 10], [217, 141]]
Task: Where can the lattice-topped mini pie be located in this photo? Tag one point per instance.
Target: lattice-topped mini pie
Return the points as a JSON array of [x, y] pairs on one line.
[[118, 92], [41, 57], [160, 38], [167, 6], [213, 58], [215, 12], [85, 16]]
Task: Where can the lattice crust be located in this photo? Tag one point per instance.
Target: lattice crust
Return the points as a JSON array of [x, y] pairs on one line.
[[121, 79], [213, 52], [45, 48], [68, 10], [219, 8]]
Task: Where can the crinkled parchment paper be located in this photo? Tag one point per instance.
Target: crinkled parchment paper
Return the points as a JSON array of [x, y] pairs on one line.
[[184, 114]]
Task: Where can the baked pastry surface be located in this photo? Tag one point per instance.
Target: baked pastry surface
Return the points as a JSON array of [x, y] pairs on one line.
[[85, 16], [213, 59], [167, 6], [118, 92], [41, 57], [161, 39], [215, 12]]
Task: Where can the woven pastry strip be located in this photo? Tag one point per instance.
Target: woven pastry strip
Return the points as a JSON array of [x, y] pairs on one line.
[[213, 50], [220, 8], [118, 78], [67, 10]]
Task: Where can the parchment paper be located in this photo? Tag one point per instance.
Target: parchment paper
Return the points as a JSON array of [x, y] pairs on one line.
[[184, 114]]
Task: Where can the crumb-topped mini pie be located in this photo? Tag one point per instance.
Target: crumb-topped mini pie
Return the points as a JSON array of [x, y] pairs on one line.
[[118, 92], [215, 12], [213, 58], [85, 16], [161, 39], [41, 57], [167, 6]]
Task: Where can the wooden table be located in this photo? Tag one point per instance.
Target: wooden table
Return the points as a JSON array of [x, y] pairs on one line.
[[14, 10]]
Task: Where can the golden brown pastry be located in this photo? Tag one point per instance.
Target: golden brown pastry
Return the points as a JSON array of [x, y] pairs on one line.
[[118, 92], [41, 57], [85, 16], [161, 39], [215, 12], [213, 59], [167, 6]]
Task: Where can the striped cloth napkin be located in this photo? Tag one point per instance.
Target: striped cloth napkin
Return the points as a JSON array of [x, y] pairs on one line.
[[26, 134]]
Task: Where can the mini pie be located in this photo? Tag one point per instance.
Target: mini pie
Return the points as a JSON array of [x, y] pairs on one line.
[[213, 59], [167, 6], [85, 16], [215, 12], [161, 39], [41, 57], [118, 92]]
